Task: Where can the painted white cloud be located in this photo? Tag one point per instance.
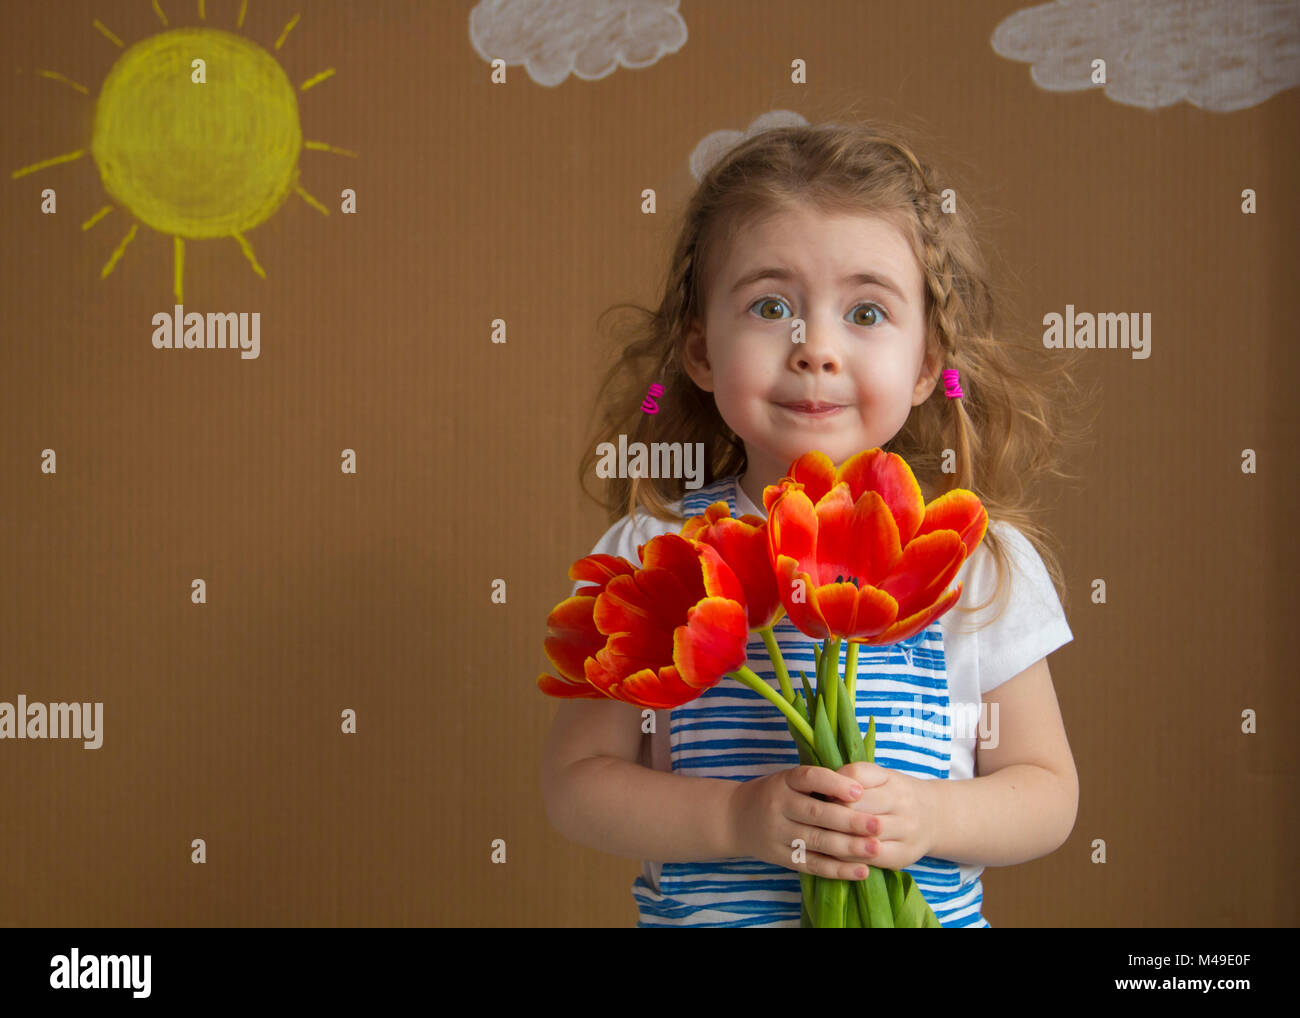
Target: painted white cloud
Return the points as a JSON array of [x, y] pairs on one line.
[[589, 38], [1219, 55], [713, 147]]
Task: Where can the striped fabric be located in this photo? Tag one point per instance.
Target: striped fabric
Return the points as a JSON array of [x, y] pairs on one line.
[[731, 732]]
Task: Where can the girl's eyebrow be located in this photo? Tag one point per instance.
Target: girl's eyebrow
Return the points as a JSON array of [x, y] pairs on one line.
[[786, 274]]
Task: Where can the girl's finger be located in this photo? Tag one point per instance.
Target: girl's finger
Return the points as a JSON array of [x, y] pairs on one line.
[[829, 866], [830, 816], [847, 848], [811, 779]]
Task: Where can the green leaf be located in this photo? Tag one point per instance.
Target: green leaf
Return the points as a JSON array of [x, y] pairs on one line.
[[894, 884], [830, 902], [823, 740], [916, 912], [809, 694], [862, 894], [882, 918], [850, 736], [807, 755], [852, 917]]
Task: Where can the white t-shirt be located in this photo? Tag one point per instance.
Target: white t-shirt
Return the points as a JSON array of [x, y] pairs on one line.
[[1031, 626]]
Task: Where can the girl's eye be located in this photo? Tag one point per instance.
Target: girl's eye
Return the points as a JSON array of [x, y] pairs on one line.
[[875, 309], [767, 300]]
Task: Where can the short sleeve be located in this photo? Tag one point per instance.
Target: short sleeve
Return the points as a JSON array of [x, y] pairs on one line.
[[627, 534], [1030, 626]]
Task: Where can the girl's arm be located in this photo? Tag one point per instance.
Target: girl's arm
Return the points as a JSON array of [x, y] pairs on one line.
[[1023, 802], [597, 794]]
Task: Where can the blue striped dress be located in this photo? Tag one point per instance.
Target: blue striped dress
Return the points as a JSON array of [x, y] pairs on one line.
[[731, 732]]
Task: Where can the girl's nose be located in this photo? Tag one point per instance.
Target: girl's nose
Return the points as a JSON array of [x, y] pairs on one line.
[[817, 352], [814, 356]]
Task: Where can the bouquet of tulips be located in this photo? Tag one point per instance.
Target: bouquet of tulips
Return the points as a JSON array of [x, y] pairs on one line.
[[850, 554]]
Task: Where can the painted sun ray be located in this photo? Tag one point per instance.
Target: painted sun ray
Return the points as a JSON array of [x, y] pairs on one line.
[[97, 217], [159, 11], [248, 253], [321, 146], [310, 200], [56, 76], [287, 29], [108, 35], [202, 15], [316, 79], [243, 9], [179, 249], [117, 255], [67, 157]]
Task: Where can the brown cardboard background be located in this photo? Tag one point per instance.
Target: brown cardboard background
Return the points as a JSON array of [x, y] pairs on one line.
[[372, 591]]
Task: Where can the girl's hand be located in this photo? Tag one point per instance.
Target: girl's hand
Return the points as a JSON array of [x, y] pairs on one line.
[[901, 823], [767, 814]]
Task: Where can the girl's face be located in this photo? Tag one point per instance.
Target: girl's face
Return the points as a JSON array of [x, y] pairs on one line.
[[863, 341]]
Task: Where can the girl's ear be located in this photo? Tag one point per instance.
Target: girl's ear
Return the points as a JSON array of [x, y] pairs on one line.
[[929, 377], [695, 356]]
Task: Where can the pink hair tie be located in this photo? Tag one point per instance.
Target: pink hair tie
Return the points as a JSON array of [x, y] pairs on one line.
[[951, 386]]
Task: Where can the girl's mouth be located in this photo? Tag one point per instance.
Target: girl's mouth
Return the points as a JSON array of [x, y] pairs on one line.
[[812, 410]]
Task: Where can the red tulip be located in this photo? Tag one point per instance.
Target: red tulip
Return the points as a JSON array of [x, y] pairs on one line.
[[657, 636], [742, 543], [873, 558], [573, 635]]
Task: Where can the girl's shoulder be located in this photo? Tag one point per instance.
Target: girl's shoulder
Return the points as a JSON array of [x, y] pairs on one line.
[[1024, 576], [1014, 618]]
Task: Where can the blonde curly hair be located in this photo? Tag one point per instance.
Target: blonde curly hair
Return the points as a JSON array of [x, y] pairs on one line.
[[1018, 412]]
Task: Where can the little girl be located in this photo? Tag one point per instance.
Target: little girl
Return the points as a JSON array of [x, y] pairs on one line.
[[843, 229]]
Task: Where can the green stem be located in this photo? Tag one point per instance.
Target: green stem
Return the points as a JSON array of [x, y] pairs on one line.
[[830, 666], [746, 676], [851, 671], [778, 662]]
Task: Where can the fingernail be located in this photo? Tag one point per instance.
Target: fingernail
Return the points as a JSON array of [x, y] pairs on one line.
[[855, 791]]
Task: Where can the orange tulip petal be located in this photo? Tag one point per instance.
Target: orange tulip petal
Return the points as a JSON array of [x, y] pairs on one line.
[[743, 546], [691, 528], [567, 655], [621, 606], [773, 492], [667, 594], [854, 612], [856, 540], [907, 628], [599, 569], [792, 530], [959, 510], [713, 642], [804, 613], [611, 675], [571, 618], [927, 567], [832, 538], [720, 579], [889, 475], [552, 686], [663, 691], [815, 471], [678, 556], [572, 635]]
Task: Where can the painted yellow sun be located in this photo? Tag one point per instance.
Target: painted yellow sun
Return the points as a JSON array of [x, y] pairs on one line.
[[195, 134]]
